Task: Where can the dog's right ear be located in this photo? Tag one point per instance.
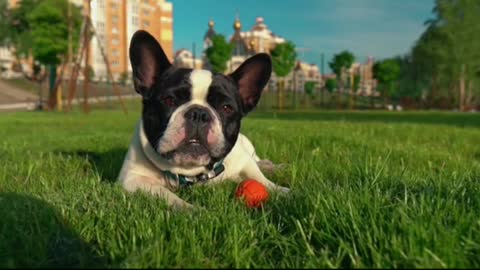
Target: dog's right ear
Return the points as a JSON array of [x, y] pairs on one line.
[[148, 61]]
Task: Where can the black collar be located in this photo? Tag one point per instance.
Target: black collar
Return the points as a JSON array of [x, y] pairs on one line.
[[183, 180]]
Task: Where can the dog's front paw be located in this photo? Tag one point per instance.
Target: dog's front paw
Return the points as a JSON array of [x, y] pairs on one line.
[[183, 206], [268, 166], [281, 190]]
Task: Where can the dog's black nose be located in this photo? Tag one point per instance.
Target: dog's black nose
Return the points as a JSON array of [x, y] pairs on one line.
[[198, 116]]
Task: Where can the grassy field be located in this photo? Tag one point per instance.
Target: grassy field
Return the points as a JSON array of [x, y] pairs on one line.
[[368, 190]]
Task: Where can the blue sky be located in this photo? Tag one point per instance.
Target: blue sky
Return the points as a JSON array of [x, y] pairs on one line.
[[378, 28]]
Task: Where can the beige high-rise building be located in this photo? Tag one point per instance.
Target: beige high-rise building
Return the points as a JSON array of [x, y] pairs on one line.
[[115, 22]]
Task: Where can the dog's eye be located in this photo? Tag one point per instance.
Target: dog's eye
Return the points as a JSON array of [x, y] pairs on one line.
[[227, 109], [169, 101]]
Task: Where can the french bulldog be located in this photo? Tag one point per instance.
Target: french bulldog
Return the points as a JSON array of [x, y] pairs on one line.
[[189, 131]]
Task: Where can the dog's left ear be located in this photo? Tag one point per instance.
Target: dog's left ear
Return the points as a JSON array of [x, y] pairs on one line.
[[148, 61], [251, 77]]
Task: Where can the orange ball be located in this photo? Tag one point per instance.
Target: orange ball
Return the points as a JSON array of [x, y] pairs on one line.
[[252, 192]]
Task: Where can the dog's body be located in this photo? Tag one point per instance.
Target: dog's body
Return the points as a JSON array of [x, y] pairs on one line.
[[190, 123]]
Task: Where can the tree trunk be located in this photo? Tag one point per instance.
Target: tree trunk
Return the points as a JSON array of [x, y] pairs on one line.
[[321, 96], [40, 96], [468, 99], [280, 94], [283, 93], [354, 100], [294, 100], [337, 100], [384, 94], [350, 99], [462, 89], [452, 95], [52, 78], [433, 92]]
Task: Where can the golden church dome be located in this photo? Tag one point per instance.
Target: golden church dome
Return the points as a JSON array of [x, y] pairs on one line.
[[237, 25]]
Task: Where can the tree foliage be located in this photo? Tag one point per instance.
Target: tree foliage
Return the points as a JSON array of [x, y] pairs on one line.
[[446, 57], [219, 53], [4, 27], [331, 85], [341, 61], [18, 27], [40, 29], [356, 82], [49, 30], [284, 58], [309, 87], [386, 72]]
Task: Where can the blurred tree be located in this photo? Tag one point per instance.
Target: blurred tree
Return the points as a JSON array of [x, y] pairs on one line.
[[37, 30], [124, 76], [331, 85], [219, 53], [48, 23], [355, 87], [340, 63], [411, 81], [457, 43], [386, 72], [309, 88], [16, 34], [91, 73], [4, 27], [284, 58]]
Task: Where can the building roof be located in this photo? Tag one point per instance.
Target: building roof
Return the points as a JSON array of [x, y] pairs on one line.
[[239, 45], [210, 32], [184, 53]]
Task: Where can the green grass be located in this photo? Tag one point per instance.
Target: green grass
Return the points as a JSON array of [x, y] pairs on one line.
[[368, 190]]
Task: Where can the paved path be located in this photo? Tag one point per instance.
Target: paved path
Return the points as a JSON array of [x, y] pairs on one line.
[[28, 106], [14, 99], [10, 94]]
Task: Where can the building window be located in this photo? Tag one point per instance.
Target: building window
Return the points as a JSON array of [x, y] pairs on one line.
[[146, 23], [145, 1], [114, 19], [100, 26], [146, 12], [115, 41], [101, 3], [113, 5], [115, 63], [115, 53], [134, 8], [135, 20]]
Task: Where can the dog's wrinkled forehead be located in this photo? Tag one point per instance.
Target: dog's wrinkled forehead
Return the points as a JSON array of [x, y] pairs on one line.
[[200, 81]]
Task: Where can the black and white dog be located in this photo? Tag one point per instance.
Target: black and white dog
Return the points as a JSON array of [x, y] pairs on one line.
[[189, 131]]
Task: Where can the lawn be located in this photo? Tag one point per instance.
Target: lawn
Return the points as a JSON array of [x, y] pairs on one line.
[[369, 189]]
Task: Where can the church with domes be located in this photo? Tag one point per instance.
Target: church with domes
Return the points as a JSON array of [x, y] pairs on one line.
[[259, 39]]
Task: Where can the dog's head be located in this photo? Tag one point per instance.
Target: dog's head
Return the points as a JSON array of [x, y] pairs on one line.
[[192, 117]]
